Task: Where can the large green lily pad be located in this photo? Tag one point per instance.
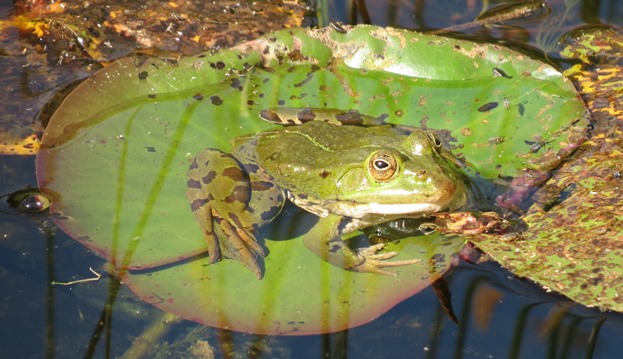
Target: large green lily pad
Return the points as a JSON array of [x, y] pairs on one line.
[[116, 152]]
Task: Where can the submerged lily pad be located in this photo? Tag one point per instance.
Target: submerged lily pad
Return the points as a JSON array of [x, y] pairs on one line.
[[116, 152]]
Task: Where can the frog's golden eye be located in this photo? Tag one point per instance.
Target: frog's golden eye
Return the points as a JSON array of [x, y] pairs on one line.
[[382, 166]]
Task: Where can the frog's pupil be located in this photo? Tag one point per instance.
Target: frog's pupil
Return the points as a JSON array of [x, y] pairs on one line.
[[381, 165]]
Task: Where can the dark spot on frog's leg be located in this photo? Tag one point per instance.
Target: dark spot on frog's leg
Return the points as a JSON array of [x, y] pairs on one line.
[[334, 248], [152, 95], [251, 168], [235, 173], [281, 102], [238, 194], [193, 183], [324, 174], [207, 179], [344, 222], [306, 115], [198, 96], [143, 75], [262, 185], [198, 203], [269, 215], [193, 165], [270, 116]]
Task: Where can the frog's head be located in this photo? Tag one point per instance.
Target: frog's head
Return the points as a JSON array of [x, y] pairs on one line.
[[412, 176]]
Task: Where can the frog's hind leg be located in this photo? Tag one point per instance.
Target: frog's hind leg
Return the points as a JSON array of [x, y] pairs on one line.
[[219, 191]]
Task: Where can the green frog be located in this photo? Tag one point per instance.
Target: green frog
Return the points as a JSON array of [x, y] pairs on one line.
[[350, 170]]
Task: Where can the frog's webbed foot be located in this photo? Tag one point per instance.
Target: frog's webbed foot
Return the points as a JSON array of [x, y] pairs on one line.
[[238, 245], [374, 262]]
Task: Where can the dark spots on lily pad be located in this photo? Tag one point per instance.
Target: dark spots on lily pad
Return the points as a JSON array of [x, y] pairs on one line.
[[219, 65], [152, 95], [143, 75], [236, 84], [500, 73], [438, 258], [250, 103], [198, 97], [281, 102], [522, 109], [150, 149], [487, 107], [216, 100]]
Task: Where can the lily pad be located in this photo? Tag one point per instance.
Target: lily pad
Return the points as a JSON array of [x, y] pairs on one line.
[[574, 242], [115, 154]]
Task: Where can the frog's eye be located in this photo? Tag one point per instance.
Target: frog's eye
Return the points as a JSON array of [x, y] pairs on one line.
[[382, 166]]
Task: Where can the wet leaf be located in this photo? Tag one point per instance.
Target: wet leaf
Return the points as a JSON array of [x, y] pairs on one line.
[[116, 153]]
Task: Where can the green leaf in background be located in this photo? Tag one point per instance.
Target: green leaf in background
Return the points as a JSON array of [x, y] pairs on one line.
[[115, 155]]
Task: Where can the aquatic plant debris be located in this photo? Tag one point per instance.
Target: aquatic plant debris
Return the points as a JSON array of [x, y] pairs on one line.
[[115, 155]]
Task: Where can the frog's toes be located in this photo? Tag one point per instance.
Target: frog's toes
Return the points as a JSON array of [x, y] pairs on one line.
[[375, 262]]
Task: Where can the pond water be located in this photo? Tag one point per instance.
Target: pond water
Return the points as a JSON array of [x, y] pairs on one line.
[[498, 315]]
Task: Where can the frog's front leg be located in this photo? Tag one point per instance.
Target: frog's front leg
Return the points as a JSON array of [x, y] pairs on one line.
[[220, 191], [325, 240]]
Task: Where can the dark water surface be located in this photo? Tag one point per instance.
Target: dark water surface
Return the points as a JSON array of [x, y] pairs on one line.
[[499, 316]]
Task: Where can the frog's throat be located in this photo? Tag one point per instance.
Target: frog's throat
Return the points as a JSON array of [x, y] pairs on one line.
[[362, 210]]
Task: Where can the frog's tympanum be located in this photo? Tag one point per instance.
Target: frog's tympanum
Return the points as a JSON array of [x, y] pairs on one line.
[[350, 170]]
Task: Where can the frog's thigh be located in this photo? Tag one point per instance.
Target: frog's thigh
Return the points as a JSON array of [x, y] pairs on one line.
[[224, 186]]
